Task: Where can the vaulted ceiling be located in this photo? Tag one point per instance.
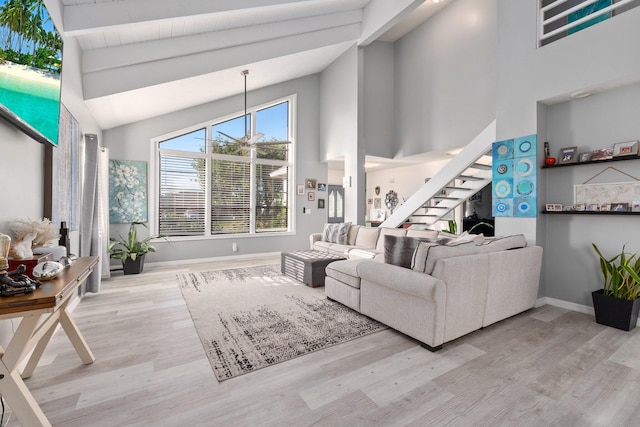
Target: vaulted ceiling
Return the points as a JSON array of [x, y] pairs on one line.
[[144, 58]]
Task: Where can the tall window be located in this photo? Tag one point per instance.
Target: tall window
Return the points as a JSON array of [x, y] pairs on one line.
[[218, 181]]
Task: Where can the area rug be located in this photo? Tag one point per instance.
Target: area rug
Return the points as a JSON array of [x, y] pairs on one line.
[[251, 318]]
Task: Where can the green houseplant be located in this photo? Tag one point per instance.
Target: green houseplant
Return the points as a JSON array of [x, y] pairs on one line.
[[131, 251], [618, 302]]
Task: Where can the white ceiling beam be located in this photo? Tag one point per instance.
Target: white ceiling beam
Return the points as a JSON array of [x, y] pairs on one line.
[[109, 82], [381, 15], [86, 18], [154, 50]]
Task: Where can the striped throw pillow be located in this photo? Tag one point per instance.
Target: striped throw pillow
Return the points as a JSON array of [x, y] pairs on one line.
[[336, 233]]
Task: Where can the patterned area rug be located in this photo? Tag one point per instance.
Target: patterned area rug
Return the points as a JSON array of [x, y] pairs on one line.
[[250, 318]]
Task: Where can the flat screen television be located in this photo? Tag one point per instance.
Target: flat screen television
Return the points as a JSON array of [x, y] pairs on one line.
[[30, 67]]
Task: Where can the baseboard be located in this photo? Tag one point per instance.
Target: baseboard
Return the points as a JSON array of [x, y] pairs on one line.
[[220, 258], [568, 305]]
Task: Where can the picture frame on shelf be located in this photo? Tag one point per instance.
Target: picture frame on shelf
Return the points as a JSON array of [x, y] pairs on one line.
[[567, 208], [553, 207], [592, 207], [605, 207], [584, 157], [620, 207], [568, 155], [579, 207], [622, 149], [635, 206], [602, 153]]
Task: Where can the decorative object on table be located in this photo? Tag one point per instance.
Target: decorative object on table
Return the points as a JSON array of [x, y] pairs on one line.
[[46, 233], [64, 237], [320, 203], [391, 200], [622, 149], [131, 251], [602, 154], [300, 190], [265, 316], [618, 302], [568, 155], [22, 249], [514, 177], [12, 282], [310, 183], [584, 157], [311, 196], [127, 191], [47, 270]]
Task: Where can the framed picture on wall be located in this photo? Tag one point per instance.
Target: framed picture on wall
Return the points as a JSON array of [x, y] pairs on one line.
[[311, 196], [320, 203], [310, 183], [300, 190]]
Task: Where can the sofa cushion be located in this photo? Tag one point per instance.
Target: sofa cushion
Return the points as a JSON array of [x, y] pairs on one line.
[[336, 233], [353, 232], [466, 237], [505, 243], [322, 246], [388, 232], [345, 272], [432, 234], [367, 237], [398, 250], [427, 254]]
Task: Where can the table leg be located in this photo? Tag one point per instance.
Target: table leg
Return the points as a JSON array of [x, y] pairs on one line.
[[76, 337], [20, 399], [37, 352]]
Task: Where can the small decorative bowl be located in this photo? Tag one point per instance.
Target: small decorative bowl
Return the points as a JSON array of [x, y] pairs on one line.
[[550, 161]]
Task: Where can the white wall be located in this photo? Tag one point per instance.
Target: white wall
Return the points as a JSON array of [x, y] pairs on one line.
[[571, 266], [133, 142], [378, 100], [404, 180], [445, 78]]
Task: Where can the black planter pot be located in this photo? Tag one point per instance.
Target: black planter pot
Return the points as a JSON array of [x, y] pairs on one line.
[[615, 312], [131, 266]]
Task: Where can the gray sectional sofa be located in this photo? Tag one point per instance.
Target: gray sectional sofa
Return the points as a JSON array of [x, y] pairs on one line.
[[449, 290]]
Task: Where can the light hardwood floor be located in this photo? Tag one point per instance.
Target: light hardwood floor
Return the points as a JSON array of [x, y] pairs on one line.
[[545, 367]]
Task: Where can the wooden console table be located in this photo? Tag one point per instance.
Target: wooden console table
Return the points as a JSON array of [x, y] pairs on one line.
[[41, 311]]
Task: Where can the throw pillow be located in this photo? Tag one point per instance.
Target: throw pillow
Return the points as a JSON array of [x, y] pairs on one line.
[[398, 250], [336, 233]]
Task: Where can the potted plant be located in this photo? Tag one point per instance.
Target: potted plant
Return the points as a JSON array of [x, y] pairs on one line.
[[618, 302], [131, 251]]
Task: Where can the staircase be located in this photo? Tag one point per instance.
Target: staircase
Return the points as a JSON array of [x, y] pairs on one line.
[[464, 175]]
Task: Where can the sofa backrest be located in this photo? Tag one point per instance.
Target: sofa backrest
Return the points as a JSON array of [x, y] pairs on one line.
[[388, 232], [367, 237], [427, 254], [427, 234], [353, 233]]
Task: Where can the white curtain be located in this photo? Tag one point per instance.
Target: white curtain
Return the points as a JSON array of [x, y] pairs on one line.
[[94, 229]]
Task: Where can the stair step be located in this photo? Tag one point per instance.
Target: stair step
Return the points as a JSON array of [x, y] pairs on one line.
[[446, 198], [425, 216], [481, 166], [457, 188], [470, 178], [435, 207]]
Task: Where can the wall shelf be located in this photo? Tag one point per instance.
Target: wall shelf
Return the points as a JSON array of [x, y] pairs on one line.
[[591, 162], [589, 213]]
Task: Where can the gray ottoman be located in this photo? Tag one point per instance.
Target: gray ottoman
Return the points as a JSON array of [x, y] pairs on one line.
[[307, 266]]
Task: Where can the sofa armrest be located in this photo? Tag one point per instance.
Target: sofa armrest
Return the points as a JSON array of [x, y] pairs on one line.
[[402, 279], [314, 237]]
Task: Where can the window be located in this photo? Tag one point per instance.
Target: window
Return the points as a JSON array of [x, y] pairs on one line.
[[214, 181]]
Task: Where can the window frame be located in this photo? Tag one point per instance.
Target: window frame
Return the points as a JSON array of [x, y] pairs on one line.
[[252, 159]]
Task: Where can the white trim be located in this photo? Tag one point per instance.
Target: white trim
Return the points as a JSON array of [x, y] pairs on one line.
[[212, 259], [568, 305]]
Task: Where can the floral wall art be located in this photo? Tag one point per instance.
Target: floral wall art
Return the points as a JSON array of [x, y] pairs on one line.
[[127, 191]]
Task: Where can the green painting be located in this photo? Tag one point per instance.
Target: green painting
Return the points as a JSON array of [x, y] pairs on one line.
[[127, 191]]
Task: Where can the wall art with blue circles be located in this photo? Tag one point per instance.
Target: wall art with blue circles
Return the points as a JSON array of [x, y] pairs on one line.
[[514, 176]]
